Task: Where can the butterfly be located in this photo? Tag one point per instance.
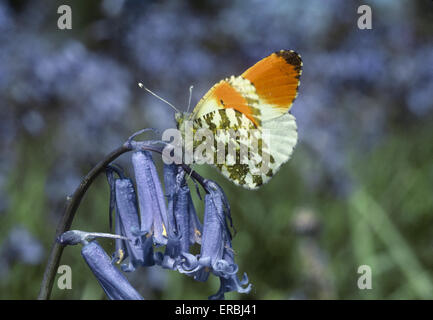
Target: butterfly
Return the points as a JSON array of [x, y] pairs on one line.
[[249, 113]]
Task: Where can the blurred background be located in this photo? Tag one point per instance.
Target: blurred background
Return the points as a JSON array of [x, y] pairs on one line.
[[357, 191]]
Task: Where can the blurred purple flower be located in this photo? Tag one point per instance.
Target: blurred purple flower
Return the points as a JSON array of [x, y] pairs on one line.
[[22, 247]]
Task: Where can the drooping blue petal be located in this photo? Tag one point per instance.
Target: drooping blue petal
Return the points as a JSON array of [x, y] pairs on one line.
[[220, 200], [189, 261], [179, 240], [182, 217], [231, 284], [170, 174], [170, 257], [195, 226], [212, 242], [110, 171], [151, 200], [128, 223], [193, 267], [146, 243], [180, 211], [121, 251], [226, 269], [112, 281], [216, 255], [172, 253], [126, 206], [213, 237]]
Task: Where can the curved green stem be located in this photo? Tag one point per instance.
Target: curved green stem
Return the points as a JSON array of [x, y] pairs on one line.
[[65, 223]]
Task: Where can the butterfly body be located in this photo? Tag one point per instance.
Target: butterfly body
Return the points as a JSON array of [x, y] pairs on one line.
[[250, 113]]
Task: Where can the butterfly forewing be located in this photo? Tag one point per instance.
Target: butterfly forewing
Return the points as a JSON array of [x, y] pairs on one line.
[[253, 133]]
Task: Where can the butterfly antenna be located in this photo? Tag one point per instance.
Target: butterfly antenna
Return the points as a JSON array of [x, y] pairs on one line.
[[155, 95], [189, 100]]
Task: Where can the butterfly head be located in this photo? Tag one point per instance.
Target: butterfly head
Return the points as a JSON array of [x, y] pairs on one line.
[[180, 118]]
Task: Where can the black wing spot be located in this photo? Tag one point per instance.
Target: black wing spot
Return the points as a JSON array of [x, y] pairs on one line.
[[291, 57]]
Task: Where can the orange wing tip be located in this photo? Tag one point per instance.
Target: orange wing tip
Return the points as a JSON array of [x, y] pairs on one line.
[[291, 57]]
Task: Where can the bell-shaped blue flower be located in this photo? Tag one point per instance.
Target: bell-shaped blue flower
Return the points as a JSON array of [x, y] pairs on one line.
[[215, 235], [184, 227], [216, 253], [183, 218], [171, 187], [112, 281], [195, 226], [170, 257], [139, 247], [123, 199], [153, 212]]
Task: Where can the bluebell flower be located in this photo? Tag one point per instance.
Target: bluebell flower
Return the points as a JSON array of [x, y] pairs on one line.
[[184, 227], [175, 225], [170, 258], [225, 268], [188, 225], [139, 248], [170, 185], [112, 281], [216, 253], [153, 212], [183, 218], [195, 226], [215, 235]]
